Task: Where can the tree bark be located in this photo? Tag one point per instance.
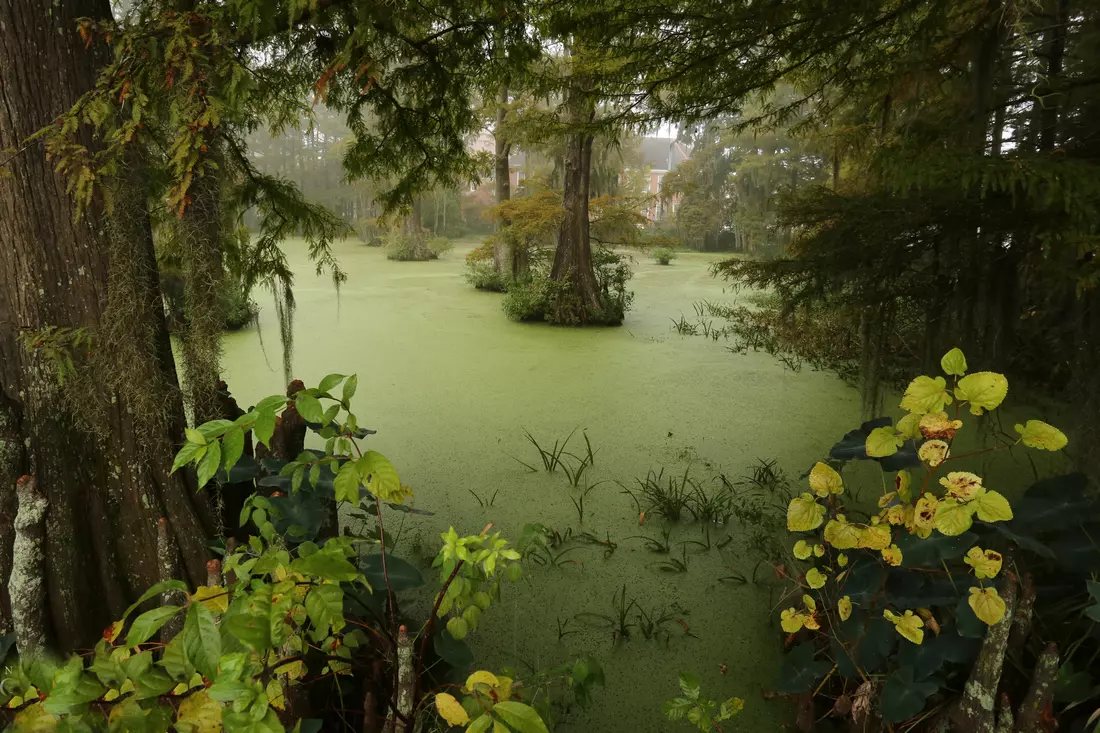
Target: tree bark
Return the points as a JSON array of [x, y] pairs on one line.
[[576, 299], [27, 583], [103, 471], [12, 466]]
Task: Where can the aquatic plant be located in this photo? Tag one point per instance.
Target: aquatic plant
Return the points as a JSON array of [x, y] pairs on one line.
[[715, 507], [484, 501], [662, 255], [552, 457], [675, 564], [628, 616], [919, 596], [660, 546], [703, 714], [664, 496], [684, 327]]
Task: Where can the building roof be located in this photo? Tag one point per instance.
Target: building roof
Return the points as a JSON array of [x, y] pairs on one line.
[[663, 153]]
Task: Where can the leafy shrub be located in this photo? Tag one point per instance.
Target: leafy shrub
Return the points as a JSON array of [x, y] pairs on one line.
[[484, 276], [662, 255], [238, 307], [527, 301], [440, 246], [897, 604], [404, 247]]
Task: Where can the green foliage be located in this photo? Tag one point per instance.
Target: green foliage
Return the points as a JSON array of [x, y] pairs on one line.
[[662, 255], [869, 590], [527, 301], [404, 246], [440, 246], [702, 713], [62, 347]]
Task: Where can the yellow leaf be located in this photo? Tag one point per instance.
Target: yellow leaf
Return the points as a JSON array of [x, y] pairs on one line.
[[811, 622], [954, 362], [892, 555], [791, 620], [804, 514], [986, 563], [963, 485], [841, 534], [809, 602], [937, 426], [887, 499], [34, 719], [815, 578], [202, 713], [112, 631], [987, 604], [842, 560], [901, 484], [481, 678], [926, 394], [983, 390], [1037, 434], [824, 480], [882, 442], [898, 514], [451, 709], [934, 452], [215, 598], [875, 538], [802, 550], [993, 507], [908, 625], [924, 513], [909, 426], [503, 690], [819, 550], [954, 518], [844, 608]]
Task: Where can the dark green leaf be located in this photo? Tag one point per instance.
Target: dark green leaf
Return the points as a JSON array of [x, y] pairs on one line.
[[325, 606], [149, 623], [1022, 541], [210, 463], [245, 469], [252, 630], [800, 672], [903, 697], [403, 575], [934, 550], [155, 590], [309, 407], [264, 427], [864, 581], [346, 484], [350, 386], [453, 652], [874, 647], [967, 624], [189, 452], [270, 403], [329, 382], [201, 641]]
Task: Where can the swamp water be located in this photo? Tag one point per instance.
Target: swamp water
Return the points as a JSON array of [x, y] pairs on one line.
[[450, 385]]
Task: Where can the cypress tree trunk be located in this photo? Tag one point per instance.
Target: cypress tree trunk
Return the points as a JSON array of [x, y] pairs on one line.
[[101, 467], [576, 300]]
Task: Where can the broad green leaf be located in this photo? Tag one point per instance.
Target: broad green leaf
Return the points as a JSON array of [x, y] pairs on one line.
[[325, 565], [983, 390], [992, 507], [519, 717], [270, 403], [155, 590], [903, 697], [1038, 434], [194, 436], [346, 483], [264, 427], [210, 463], [232, 447], [987, 605], [380, 477], [481, 724], [149, 623], [926, 394], [954, 362], [804, 514], [214, 428], [189, 452], [403, 575], [824, 480], [457, 628], [882, 442], [800, 672], [953, 518], [309, 408], [325, 606], [329, 382], [201, 641], [909, 426], [350, 386]]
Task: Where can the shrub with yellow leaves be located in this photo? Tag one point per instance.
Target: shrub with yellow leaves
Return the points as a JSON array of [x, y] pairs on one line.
[[873, 588]]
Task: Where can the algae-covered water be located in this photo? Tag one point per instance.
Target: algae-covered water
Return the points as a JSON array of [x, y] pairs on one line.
[[450, 385]]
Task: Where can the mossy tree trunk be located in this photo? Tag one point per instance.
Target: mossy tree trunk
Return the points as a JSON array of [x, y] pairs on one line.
[[576, 299], [99, 460]]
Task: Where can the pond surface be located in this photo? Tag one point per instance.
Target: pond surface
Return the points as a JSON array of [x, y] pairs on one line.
[[450, 385]]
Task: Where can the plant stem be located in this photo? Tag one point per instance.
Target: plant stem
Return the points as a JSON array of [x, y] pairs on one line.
[[428, 628], [385, 572]]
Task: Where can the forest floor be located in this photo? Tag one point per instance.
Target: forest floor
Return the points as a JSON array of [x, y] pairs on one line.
[[450, 385]]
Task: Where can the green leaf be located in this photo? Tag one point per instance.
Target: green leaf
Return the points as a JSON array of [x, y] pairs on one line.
[[882, 442], [689, 685], [403, 575], [983, 390], [380, 476], [214, 428], [270, 403], [329, 382], [1038, 434], [926, 394], [903, 697], [309, 408], [232, 448], [954, 362], [346, 484], [155, 590], [325, 565], [264, 427], [325, 606], [201, 641], [210, 463], [454, 652], [250, 629], [149, 623], [189, 452], [349, 388], [194, 436], [519, 717], [800, 672], [934, 550]]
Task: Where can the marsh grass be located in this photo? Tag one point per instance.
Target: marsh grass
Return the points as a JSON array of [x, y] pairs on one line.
[[628, 617], [665, 496]]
